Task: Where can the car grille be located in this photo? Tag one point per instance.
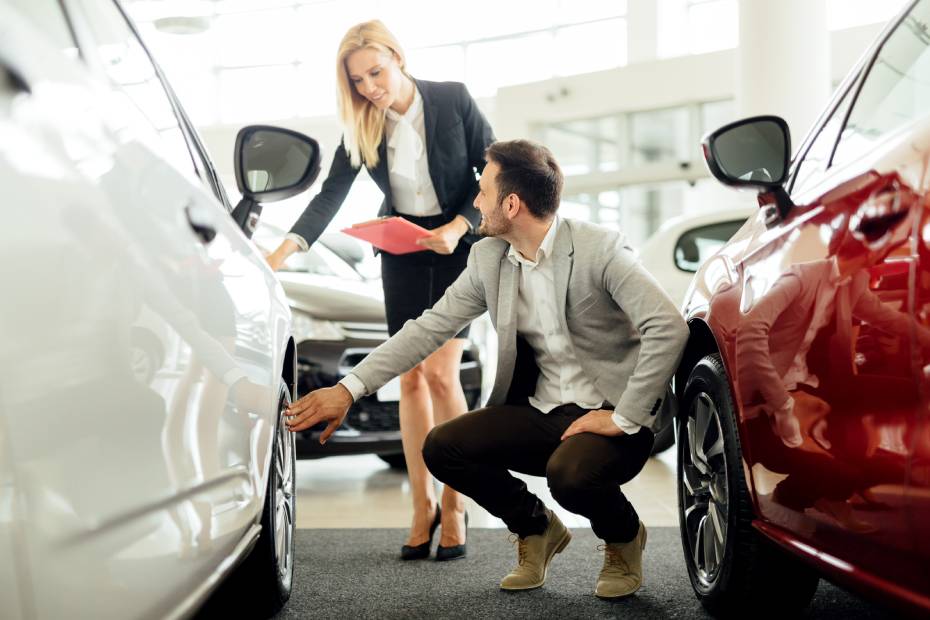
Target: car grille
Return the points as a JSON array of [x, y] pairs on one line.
[[370, 415], [364, 331]]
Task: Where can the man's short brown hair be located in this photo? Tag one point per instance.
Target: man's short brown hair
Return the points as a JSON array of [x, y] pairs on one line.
[[530, 171]]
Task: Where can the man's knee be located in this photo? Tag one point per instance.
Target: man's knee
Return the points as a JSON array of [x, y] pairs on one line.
[[567, 480], [436, 448]]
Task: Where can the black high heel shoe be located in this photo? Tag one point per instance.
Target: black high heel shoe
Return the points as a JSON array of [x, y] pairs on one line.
[[454, 552], [421, 551]]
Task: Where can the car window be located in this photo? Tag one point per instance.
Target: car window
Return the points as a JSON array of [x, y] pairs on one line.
[[118, 52], [49, 19], [816, 159], [698, 244], [896, 90]]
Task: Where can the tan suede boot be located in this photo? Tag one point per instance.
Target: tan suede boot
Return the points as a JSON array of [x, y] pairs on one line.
[[534, 554], [622, 574]]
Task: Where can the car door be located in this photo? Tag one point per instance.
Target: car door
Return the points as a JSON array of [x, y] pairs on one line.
[[153, 478], [225, 312], [840, 270]]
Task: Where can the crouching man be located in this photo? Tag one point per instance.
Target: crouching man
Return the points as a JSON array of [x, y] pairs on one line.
[[571, 297]]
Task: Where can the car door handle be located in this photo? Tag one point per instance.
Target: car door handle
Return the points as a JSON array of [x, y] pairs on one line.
[[885, 208], [12, 80], [200, 223]]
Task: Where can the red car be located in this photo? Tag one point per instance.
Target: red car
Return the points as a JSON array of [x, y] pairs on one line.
[[804, 430]]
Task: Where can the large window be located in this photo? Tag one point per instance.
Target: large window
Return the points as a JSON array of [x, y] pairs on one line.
[[696, 26], [246, 59], [635, 170], [850, 13], [624, 141]]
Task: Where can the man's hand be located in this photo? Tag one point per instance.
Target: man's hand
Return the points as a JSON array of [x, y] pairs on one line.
[[323, 405], [598, 422], [445, 238]]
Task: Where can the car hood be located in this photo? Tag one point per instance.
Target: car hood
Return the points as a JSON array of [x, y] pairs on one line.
[[332, 298]]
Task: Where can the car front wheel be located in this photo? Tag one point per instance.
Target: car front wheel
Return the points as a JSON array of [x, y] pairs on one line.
[[261, 585], [732, 568]]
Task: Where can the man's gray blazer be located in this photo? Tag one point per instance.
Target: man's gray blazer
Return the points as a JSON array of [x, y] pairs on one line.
[[627, 334]]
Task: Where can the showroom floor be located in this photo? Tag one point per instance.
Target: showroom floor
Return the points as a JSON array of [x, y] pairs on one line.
[[363, 492]]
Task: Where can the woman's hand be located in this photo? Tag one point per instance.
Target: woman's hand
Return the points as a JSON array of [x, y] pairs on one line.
[[445, 238], [276, 259]]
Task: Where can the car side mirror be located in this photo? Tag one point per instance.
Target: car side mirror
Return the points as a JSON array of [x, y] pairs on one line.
[[753, 152], [271, 164]]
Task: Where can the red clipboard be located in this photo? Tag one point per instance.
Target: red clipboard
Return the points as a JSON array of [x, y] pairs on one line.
[[391, 234]]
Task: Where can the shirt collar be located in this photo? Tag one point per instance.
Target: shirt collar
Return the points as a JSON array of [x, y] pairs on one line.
[[545, 248], [411, 112]]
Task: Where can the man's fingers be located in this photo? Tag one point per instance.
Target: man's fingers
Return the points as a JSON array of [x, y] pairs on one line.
[[298, 407], [329, 430], [306, 420], [301, 417], [574, 429]]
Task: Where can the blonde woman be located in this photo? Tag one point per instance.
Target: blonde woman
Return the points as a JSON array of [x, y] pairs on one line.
[[422, 143]]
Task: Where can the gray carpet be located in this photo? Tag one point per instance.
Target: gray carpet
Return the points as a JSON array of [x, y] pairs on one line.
[[356, 574]]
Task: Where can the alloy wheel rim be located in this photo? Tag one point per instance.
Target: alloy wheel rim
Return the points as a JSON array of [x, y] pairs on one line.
[[705, 489], [284, 496]]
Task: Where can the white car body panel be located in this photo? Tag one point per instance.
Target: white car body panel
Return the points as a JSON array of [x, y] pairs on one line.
[[658, 251], [120, 498]]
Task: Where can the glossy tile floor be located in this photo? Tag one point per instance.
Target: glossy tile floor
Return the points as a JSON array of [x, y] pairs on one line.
[[363, 492]]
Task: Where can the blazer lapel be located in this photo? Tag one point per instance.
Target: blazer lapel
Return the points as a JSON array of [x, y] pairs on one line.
[[381, 175], [507, 297], [429, 119], [562, 256]]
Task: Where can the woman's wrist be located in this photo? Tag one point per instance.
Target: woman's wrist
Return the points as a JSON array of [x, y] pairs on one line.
[[462, 225]]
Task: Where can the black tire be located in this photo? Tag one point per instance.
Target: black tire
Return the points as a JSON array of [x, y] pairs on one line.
[[261, 585], [395, 460], [747, 572], [664, 440]]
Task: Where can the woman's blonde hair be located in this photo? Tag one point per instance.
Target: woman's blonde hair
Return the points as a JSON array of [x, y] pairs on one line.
[[362, 121]]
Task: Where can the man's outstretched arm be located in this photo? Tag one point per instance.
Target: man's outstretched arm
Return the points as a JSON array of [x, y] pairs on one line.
[[462, 302]]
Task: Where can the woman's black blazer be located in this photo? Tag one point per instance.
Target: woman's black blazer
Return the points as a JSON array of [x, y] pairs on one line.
[[456, 136]]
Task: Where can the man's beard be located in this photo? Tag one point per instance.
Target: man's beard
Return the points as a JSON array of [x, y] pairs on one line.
[[496, 227]]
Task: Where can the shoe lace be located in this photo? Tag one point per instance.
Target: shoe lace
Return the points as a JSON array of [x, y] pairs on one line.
[[613, 558], [521, 547]]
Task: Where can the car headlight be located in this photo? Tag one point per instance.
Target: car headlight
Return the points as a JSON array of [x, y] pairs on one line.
[[305, 327]]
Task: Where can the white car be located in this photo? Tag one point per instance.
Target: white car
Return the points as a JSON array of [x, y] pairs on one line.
[[674, 253], [131, 490]]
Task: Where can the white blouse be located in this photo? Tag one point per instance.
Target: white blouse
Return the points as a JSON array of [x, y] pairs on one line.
[[408, 167]]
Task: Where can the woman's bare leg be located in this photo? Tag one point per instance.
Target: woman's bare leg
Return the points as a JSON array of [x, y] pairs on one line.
[[416, 420], [445, 388]]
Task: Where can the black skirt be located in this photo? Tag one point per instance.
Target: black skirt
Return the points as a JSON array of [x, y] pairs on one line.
[[414, 282]]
